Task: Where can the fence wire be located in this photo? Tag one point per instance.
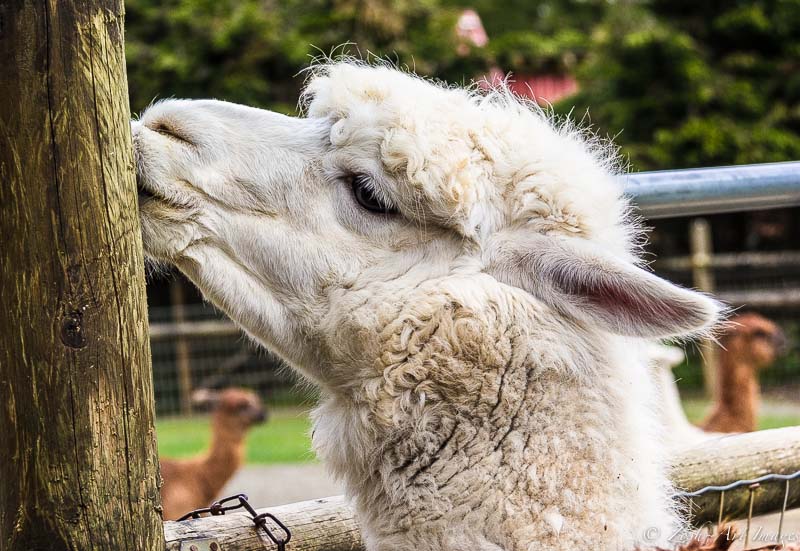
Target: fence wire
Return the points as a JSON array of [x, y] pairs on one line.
[[206, 350], [753, 486]]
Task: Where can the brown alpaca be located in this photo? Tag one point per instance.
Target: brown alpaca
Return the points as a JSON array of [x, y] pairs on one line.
[[752, 343], [193, 483]]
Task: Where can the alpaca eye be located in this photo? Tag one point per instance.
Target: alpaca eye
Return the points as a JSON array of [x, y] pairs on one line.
[[365, 195]]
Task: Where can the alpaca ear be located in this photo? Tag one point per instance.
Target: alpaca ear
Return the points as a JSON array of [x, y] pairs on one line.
[[600, 289], [205, 398], [665, 356]]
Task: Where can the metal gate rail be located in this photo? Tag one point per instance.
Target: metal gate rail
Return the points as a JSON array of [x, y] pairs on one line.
[[671, 193]]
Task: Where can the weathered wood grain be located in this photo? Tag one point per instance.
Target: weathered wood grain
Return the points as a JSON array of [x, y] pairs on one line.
[[328, 524], [740, 457], [78, 464], [324, 524]]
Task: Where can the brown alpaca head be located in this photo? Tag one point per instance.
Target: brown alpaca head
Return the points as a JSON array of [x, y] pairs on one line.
[[237, 408], [754, 339]]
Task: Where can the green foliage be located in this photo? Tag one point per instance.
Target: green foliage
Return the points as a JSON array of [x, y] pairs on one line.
[[533, 53], [696, 83], [681, 83], [545, 17], [206, 48], [251, 51]]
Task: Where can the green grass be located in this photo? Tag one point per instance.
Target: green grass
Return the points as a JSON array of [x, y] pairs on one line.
[[284, 438], [771, 417]]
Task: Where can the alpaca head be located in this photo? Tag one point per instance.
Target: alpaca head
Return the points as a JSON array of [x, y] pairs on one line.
[[392, 185], [753, 339], [237, 408]]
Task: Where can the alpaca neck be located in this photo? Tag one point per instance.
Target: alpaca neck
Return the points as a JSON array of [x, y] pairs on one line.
[[225, 454], [548, 460], [738, 390], [674, 417]]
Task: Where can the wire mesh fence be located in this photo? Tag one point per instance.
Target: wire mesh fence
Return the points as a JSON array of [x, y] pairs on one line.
[[205, 350], [747, 271]]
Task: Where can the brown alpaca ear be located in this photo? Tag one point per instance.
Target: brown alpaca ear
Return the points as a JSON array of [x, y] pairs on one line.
[[599, 289], [205, 398]]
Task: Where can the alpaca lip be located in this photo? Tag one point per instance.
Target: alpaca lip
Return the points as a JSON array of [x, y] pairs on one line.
[[147, 195], [144, 194]]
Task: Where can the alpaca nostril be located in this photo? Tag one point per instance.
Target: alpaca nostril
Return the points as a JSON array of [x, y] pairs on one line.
[[171, 132], [162, 128]]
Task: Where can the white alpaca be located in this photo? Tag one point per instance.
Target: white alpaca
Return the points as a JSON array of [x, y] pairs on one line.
[[460, 277], [679, 433]]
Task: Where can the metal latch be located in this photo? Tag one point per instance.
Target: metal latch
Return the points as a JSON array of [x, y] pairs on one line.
[[200, 545]]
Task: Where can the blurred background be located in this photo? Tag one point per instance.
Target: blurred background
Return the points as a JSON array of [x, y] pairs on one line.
[[675, 83]]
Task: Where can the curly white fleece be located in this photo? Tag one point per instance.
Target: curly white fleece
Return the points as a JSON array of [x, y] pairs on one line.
[[475, 427], [475, 162], [480, 353]]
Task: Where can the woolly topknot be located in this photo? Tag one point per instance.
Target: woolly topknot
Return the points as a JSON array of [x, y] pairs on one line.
[[473, 160]]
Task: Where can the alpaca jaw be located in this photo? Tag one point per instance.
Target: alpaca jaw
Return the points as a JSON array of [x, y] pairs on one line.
[[271, 233], [209, 213]]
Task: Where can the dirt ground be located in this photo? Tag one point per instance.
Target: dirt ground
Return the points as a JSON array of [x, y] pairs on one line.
[[268, 485], [764, 530]]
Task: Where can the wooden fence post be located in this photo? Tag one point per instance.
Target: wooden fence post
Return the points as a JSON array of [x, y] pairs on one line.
[[703, 279], [182, 353], [78, 463]]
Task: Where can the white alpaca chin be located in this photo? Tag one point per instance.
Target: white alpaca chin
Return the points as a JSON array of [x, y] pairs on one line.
[[459, 275]]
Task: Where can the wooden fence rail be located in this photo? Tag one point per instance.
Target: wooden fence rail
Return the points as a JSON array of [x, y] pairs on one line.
[[740, 457], [329, 525], [751, 259], [326, 524]]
